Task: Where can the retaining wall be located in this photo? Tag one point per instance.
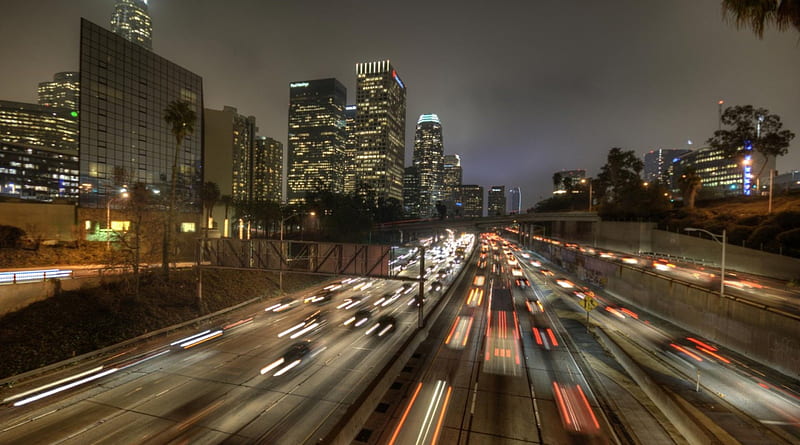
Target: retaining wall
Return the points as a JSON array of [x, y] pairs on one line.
[[14, 297]]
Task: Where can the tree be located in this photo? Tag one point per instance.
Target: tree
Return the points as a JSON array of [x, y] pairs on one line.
[[181, 117], [441, 209], [751, 126], [227, 201], [689, 183], [210, 195], [620, 175], [137, 206], [784, 14]]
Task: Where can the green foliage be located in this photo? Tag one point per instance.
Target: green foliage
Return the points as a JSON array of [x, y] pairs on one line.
[[619, 176], [745, 124], [11, 236], [756, 15]]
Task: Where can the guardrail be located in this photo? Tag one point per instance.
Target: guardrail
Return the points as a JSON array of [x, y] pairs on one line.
[[31, 276]]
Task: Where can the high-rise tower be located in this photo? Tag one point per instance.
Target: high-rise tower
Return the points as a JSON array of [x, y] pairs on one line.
[[317, 138], [130, 20], [428, 158], [380, 126], [516, 200], [451, 183], [62, 92]]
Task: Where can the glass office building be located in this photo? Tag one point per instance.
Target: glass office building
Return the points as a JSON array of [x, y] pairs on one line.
[[381, 128], [62, 92], [470, 201], [267, 169], [123, 136], [350, 148], [497, 200], [38, 173], [411, 192], [317, 136], [429, 160], [131, 21], [38, 126]]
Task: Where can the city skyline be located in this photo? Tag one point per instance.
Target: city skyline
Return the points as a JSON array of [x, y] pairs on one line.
[[657, 89]]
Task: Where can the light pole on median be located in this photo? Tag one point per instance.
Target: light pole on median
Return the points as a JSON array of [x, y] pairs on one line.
[[123, 195], [588, 181], [722, 239], [283, 254]]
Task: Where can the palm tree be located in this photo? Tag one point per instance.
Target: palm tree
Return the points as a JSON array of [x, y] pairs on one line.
[[226, 200], [181, 117], [209, 195], [784, 14], [689, 183]]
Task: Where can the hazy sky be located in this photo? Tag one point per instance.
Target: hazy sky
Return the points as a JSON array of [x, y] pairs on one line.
[[523, 88]]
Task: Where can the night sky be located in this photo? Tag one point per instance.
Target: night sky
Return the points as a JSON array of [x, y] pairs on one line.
[[523, 89]]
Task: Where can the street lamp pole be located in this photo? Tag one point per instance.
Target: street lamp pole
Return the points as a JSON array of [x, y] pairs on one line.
[[588, 181], [724, 242]]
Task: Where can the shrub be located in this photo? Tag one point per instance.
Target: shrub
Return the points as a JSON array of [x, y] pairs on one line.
[[10, 236]]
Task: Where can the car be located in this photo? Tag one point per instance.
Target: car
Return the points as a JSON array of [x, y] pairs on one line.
[[283, 305], [351, 302], [311, 325], [292, 357], [517, 272], [436, 286], [360, 318], [546, 272], [565, 283], [522, 282], [320, 298], [385, 325]]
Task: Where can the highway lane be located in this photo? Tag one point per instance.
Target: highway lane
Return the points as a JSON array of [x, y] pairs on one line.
[[215, 392], [762, 290], [487, 383], [751, 402]]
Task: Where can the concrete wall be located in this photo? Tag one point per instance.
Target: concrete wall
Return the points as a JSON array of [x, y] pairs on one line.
[[736, 257], [14, 297], [757, 332], [52, 221]]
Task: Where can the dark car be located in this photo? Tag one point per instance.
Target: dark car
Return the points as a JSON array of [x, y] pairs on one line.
[[385, 325], [359, 319], [436, 286]]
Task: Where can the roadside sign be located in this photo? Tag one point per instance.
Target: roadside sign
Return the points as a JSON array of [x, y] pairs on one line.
[[588, 303]]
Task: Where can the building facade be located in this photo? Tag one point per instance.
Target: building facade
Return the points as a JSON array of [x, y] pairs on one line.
[[62, 92], [452, 177], [267, 170], [411, 198], [317, 137], [38, 173], [515, 194], [722, 176], [657, 163], [131, 21], [380, 128], [471, 201], [429, 161], [350, 149], [38, 126], [497, 200], [123, 137], [230, 143]]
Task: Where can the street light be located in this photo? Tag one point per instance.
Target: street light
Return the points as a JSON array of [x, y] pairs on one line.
[[722, 239], [588, 181], [123, 195], [280, 273]]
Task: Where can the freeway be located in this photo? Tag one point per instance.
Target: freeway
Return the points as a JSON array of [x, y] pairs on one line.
[[282, 372], [486, 381], [765, 291], [748, 402]]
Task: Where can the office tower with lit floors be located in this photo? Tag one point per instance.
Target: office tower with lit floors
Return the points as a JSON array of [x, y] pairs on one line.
[[515, 194], [62, 92], [131, 21], [350, 148], [429, 161], [380, 128], [411, 192], [267, 169], [124, 139], [451, 181], [497, 200], [470, 199]]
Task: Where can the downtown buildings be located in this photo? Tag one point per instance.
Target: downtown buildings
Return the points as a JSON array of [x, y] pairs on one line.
[[429, 162], [497, 201], [657, 163], [317, 138], [131, 21], [516, 200], [471, 201], [62, 92]]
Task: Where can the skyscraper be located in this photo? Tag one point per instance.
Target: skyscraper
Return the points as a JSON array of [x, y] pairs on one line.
[[62, 92], [497, 200], [350, 148], [38, 126], [267, 169], [123, 136], [471, 201], [411, 192], [38, 173], [317, 137], [568, 179], [657, 162], [451, 181], [230, 141], [428, 158], [516, 200], [723, 175], [131, 21], [381, 127]]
